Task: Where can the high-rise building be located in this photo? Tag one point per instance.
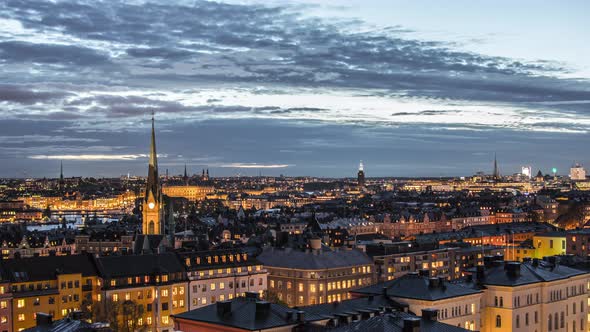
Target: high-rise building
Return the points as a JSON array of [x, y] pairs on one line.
[[527, 171], [577, 173], [361, 175], [153, 204]]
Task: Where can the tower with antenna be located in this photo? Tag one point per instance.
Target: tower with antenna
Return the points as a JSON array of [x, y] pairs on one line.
[[360, 178]]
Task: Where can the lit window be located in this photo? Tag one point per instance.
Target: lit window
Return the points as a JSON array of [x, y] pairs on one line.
[[21, 317], [115, 297], [20, 303]]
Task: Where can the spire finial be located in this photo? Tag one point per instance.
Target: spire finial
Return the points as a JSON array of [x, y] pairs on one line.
[[361, 166]]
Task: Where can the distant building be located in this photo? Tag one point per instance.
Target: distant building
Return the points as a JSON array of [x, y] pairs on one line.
[[527, 171], [577, 173], [361, 175]]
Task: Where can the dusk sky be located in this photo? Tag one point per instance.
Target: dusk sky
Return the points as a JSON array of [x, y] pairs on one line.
[[412, 88]]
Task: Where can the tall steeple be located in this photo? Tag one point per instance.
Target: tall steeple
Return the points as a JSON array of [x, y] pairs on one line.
[[152, 203], [496, 173], [61, 176], [185, 177]]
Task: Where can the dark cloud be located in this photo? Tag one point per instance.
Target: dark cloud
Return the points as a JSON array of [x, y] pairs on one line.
[[19, 52], [27, 94]]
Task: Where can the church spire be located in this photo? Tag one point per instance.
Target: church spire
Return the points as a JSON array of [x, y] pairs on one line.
[[496, 174], [153, 184], [152, 207], [61, 176], [153, 155]]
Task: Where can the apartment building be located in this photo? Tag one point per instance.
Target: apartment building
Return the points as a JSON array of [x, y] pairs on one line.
[[58, 285], [317, 275], [144, 290], [221, 275], [535, 295]]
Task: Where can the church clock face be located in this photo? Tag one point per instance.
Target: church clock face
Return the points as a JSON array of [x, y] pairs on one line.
[[151, 205]]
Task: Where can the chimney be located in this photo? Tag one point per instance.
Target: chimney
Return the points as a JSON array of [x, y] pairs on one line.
[[315, 243], [430, 314], [289, 315], [384, 291], [301, 316], [513, 269], [252, 295], [480, 273], [44, 319], [433, 282], [262, 308], [411, 324], [487, 261], [535, 262], [223, 307]]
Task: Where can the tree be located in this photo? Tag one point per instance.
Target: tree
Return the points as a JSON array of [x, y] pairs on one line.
[[273, 297], [130, 311]]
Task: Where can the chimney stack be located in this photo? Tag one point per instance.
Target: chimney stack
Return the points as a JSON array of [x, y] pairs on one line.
[[223, 307], [430, 314], [411, 324]]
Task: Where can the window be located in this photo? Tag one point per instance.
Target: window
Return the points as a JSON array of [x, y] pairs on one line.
[[549, 321], [164, 292], [498, 321], [115, 297], [221, 285], [517, 321], [562, 320], [20, 303], [555, 321], [21, 317], [526, 319], [501, 301]]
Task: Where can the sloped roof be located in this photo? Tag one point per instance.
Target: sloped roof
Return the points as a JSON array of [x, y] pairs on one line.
[[324, 259], [46, 267], [414, 286], [243, 315], [137, 265], [394, 322]]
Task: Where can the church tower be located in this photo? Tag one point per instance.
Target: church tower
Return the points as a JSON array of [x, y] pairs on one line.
[[153, 207]]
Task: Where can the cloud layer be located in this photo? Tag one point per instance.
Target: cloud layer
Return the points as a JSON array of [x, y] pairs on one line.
[[87, 75]]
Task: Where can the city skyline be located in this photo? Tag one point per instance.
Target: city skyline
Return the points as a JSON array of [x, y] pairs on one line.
[[294, 88]]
